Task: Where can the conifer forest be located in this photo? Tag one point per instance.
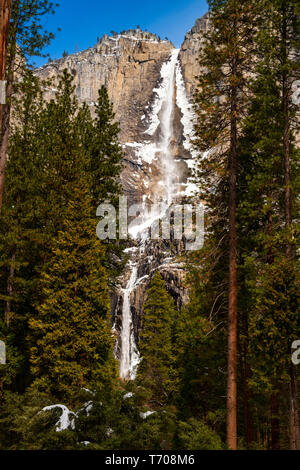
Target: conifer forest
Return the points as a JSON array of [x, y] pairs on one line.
[[149, 234]]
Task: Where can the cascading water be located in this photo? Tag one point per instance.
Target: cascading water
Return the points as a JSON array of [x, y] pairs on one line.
[[162, 120], [166, 129], [129, 354]]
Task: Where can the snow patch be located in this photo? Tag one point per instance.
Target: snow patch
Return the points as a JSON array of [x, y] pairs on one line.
[[66, 420], [133, 144], [146, 414], [88, 391], [133, 249], [161, 92], [87, 407]]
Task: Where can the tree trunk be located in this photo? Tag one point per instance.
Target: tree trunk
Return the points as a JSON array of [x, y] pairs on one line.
[[247, 393], [4, 32], [8, 312], [275, 422], [294, 412], [4, 141], [6, 108], [287, 168], [232, 300]]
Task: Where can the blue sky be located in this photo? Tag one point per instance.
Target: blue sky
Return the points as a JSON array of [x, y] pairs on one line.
[[82, 21]]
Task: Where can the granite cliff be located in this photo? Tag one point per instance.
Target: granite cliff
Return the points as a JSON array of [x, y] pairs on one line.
[[130, 66], [189, 52]]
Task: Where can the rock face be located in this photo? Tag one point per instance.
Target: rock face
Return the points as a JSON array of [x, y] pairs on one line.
[[127, 64], [190, 51], [130, 66]]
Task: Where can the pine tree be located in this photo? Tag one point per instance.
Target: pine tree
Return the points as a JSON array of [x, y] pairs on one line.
[[104, 166], [105, 152], [71, 331], [259, 196], [221, 102], [69, 208], [49, 162], [290, 69], [20, 252], [201, 341], [264, 201], [156, 371], [27, 37]]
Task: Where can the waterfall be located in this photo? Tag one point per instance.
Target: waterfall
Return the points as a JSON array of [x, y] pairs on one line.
[[129, 357], [166, 130], [161, 124]]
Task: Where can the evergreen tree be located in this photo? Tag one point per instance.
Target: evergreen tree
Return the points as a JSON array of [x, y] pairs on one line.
[[71, 336], [67, 183], [49, 162], [156, 371], [260, 221], [104, 166], [197, 435], [264, 193], [27, 38], [221, 102], [105, 152], [20, 235], [201, 341], [289, 27]]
